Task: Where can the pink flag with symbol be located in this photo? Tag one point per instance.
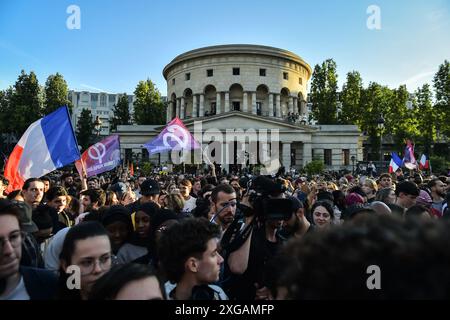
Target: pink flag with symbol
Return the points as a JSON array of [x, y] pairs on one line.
[[175, 136]]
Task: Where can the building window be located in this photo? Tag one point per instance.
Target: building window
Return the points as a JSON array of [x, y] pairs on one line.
[[236, 71], [112, 98], [187, 76], [103, 100], [259, 108], [327, 157], [262, 72], [173, 81], [236, 105], [285, 76], [300, 81], [345, 157], [209, 73]]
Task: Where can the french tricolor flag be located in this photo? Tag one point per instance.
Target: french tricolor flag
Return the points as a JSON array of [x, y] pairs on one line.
[[424, 163], [395, 163], [47, 144]]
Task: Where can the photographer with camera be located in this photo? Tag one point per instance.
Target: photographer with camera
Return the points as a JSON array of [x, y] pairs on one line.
[[249, 248]]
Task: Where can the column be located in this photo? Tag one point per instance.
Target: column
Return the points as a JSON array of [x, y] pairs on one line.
[[270, 105], [227, 102], [278, 106], [202, 105], [169, 111], [218, 103], [178, 108], [291, 104], [296, 105], [182, 112], [286, 155], [253, 102], [307, 153], [194, 106], [245, 102]]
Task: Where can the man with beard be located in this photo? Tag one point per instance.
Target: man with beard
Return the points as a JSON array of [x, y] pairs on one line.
[[297, 226], [69, 184], [224, 203], [438, 194]]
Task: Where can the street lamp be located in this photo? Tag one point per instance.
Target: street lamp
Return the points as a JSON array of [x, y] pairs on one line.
[[380, 124], [97, 125], [353, 164]]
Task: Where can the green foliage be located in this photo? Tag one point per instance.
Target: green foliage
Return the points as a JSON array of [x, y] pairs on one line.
[[55, 93], [442, 92], [26, 103], [425, 115], [314, 167], [121, 113], [148, 107], [350, 98], [324, 92], [146, 168], [85, 127], [439, 165]]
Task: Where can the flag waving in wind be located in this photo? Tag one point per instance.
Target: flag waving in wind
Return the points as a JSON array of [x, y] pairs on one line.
[[100, 157], [424, 163], [408, 159], [395, 163], [48, 144], [175, 136]]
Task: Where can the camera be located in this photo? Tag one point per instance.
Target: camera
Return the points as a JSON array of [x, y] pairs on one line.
[[262, 192]]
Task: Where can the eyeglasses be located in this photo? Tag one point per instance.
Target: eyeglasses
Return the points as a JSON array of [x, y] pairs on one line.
[[15, 239], [87, 266]]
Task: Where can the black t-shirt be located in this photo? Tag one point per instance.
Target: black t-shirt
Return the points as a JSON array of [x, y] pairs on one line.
[[242, 287]]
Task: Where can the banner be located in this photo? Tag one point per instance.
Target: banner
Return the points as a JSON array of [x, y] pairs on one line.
[[100, 157], [175, 136]]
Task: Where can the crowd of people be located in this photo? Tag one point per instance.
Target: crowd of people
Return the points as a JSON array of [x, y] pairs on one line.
[[219, 237]]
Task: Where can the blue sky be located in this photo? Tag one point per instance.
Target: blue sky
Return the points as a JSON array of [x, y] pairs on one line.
[[122, 42]]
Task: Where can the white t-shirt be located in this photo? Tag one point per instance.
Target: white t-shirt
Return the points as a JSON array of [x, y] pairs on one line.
[[189, 204]]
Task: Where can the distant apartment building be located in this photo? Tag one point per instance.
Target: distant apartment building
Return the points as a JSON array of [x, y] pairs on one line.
[[100, 104]]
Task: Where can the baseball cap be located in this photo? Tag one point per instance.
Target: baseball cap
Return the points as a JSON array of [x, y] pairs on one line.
[[295, 203], [120, 188], [150, 187]]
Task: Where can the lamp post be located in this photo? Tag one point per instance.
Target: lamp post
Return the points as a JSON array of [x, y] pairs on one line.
[[97, 125], [353, 164], [380, 124]]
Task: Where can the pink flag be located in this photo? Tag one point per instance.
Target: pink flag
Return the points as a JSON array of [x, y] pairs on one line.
[[175, 136]]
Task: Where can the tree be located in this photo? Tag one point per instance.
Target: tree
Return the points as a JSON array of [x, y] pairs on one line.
[[400, 122], [55, 93], [148, 107], [324, 92], [121, 113], [426, 117], [314, 167], [26, 102], [350, 98], [375, 103], [85, 127], [442, 93]]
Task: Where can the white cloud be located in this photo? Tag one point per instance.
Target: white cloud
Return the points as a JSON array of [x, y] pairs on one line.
[[417, 80], [93, 88]]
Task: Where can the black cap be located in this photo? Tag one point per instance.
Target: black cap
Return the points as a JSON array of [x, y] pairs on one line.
[[295, 203], [149, 187]]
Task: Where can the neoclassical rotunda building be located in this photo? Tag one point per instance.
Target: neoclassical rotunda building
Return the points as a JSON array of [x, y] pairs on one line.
[[249, 87]]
